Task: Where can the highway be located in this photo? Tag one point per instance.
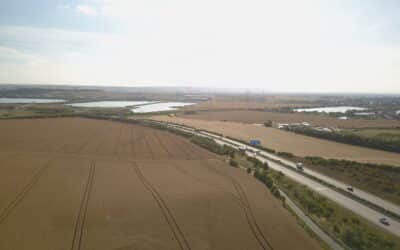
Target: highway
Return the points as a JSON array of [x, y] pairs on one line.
[[389, 206], [351, 204]]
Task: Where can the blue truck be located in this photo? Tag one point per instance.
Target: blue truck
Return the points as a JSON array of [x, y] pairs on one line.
[[255, 142]]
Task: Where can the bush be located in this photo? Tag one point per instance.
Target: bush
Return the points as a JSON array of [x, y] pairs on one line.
[[256, 162], [377, 143], [285, 154], [257, 174], [345, 163], [233, 163], [268, 123], [348, 228], [248, 170], [214, 147], [264, 178], [275, 192]]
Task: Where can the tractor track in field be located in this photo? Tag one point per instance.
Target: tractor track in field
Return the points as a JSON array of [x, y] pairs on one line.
[[100, 143], [87, 141], [81, 218], [177, 232], [21, 195], [252, 221], [117, 139], [178, 145], [208, 183], [10, 155], [147, 143], [163, 146], [132, 140]]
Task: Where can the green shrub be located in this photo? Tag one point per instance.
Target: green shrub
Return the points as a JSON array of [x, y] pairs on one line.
[[256, 162], [275, 192], [354, 139], [212, 146], [285, 154], [233, 163], [268, 123], [341, 223]]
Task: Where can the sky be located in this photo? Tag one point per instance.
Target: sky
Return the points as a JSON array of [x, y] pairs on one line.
[[285, 45]]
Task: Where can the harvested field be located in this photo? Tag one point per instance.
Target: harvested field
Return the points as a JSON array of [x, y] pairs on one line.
[[239, 102], [290, 142], [248, 116], [72, 183]]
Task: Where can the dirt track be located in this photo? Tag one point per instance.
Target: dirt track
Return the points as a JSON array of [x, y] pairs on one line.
[[86, 184], [283, 141]]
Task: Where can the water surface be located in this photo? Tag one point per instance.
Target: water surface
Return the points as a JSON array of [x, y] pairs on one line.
[[338, 109], [158, 107], [29, 100], [108, 104], [365, 113]]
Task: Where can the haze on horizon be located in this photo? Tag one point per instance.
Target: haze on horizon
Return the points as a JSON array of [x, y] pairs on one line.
[[295, 46]]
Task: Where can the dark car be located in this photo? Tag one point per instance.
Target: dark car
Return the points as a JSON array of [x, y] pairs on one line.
[[299, 166], [350, 188], [384, 221]]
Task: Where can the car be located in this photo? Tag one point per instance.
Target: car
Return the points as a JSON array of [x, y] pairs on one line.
[[384, 221], [350, 188], [299, 166]]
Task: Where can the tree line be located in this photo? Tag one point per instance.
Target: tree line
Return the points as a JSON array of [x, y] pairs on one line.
[[353, 139]]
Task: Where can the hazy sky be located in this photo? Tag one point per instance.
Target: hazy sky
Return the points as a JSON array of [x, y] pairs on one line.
[[280, 45]]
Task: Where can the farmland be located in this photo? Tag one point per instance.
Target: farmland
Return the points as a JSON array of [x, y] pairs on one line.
[[74, 183], [243, 102], [249, 116], [289, 142]]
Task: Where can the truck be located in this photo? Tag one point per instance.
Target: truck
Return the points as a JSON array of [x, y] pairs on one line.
[[255, 142]]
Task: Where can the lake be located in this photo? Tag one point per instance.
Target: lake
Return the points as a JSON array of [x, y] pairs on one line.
[[338, 109], [158, 107], [108, 104], [365, 113], [29, 100]]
